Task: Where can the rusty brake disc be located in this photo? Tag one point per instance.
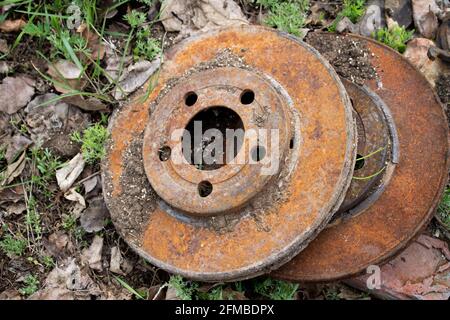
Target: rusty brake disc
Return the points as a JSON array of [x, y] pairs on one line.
[[402, 124], [231, 221]]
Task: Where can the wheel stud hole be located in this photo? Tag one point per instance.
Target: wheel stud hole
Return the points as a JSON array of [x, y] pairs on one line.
[[359, 162], [190, 99], [258, 153], [247, 97], [165, 153], [205, 188]]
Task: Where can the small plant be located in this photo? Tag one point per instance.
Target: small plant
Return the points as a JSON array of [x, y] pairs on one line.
[[146, 46], [352, 9], [13, 246], [33, 219], [2, 158], [276, 289], [444, 208], [396, 37], [69, 222], [184, 290], [288, 16], [135, 18], [138, 295], [31, 285], [46, 164], [48, 262], [92, 142], [213, 294]]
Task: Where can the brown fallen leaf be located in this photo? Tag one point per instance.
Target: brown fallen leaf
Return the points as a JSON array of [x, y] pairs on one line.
[[80, 203], [88, 104], [15, 93], [135, 76], [4, 47], [67, 76], [15, 208], [67, 282], [14, 194], [67, 175], [16, 145], [13, 171], [118, 263], [12, 25], [93, 218], [58, 244], [421, 271], [92, 256], [94, 44]]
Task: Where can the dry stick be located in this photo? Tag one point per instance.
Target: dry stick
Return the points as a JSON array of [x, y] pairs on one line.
[[87, 178]]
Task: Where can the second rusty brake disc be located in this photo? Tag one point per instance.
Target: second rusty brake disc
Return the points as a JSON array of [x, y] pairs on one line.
[[395, 192], [225, 222]]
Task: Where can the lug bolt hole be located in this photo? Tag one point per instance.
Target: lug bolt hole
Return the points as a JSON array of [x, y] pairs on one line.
[[190, 99], [247, 97], [165, 153], [359, 162], [205, 188]]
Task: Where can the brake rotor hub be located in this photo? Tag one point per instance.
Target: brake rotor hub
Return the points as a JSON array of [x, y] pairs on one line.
[[221, 102]]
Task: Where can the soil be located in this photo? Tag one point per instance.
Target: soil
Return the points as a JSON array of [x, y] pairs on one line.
[[350, 58], [443, 91]]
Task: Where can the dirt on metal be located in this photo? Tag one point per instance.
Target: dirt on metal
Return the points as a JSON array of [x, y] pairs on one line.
[[247, 233], [350, 57]]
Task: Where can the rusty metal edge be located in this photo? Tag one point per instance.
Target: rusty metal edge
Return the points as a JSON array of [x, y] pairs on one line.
[[444, 179]]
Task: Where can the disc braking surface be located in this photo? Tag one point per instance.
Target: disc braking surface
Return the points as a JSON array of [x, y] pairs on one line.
[[236, 220], [382, 214]]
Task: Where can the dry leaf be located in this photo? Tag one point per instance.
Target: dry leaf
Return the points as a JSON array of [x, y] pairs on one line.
[[67, 76], [67, 175], [58, 244], [16, 145], [80, 203], [67, 282], [425, 19], [93, 255], [118, 264], [94, 43], [189, 17], [13, 171], [93, 218], [15, 93], [4, 48], [134, 77], [12, 25], [88, 104]]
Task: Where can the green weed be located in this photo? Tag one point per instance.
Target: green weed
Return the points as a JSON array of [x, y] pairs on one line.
[[287, 15], [92, 142], [396, 37], [444, 208], [146, 46], [13, 246], [276, 289], [185, 290], [352, 9], [31, 285], [46, 164]]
